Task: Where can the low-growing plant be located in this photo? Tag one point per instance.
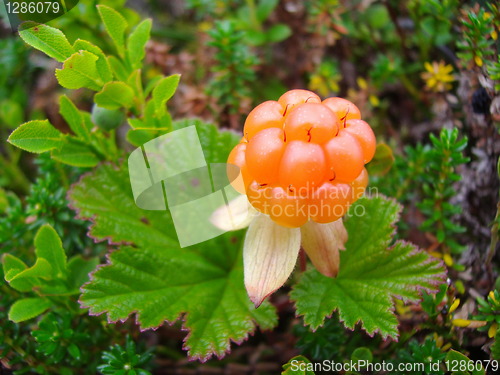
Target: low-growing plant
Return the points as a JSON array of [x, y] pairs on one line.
[[480, 30], [433, 168], [105, 187], [76, 240], [125, 360], [235, 66], [443, 159]]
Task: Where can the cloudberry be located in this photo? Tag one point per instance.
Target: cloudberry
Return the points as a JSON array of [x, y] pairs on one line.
[[302, 158]]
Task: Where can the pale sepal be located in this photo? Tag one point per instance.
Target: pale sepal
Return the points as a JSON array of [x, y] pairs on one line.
[[322, 243], [270, 252], [237, 214]]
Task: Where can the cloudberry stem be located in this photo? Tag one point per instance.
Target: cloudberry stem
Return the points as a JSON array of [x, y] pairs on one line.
[[302, 260]]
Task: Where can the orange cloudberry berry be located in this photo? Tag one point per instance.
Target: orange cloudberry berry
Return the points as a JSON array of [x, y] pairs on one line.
[[302, 159]]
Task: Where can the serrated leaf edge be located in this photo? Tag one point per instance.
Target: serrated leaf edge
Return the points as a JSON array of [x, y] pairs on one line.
[[181, 317], [416, 250], [419, 290], [93, 218]]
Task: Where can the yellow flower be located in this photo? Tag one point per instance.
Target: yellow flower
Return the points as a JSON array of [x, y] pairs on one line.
[[448, 260], [270, 250], [205, 26], [363, 85], [318, 84], [374, 101], [445, 347], [454, 305], [326, 79], [438, 340], [438, 76], [461, 322], [324, 85], [492, 331], [492, 296]]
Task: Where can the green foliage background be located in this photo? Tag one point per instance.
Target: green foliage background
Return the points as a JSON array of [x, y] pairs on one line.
[[79, 258]]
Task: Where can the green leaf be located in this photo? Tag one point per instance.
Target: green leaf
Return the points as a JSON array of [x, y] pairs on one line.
[[256, 37], [137, 42], [135, 123], [74, 351], [151, 84], [265, 8], [28, 308], [115, 95], [11, 263], [12, 266], [41, 269], [79, 270], [36, 136], [156, 279], [378, 16], [298, 365], [102, 62], [137, 137], [161, 283], [79, 71], [216, 145], [47, 39], [152, 120], [4, 201], [115, 25], [362, 354], [371, 273], [163, 91], [48, 246], [93, 200], [48, 275], [23, 284], [382, 161], [74, 118], [495, 348], [75, 154], [135, 82], [119, 70], [11, 113], [278, 33], [107, 119]]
